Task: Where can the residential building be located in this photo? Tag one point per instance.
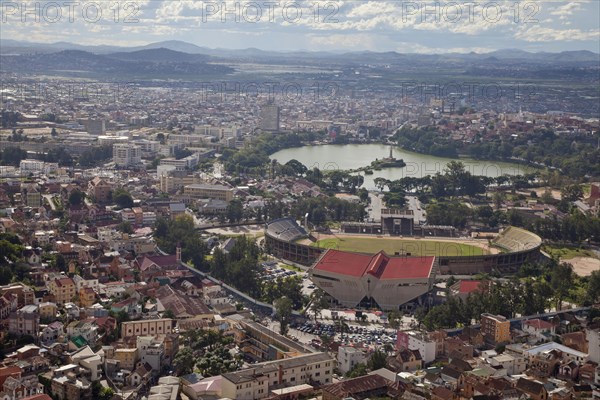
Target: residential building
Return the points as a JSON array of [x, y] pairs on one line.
[[100, 190], [127, 358], [405, 360], [25, 321], [47, 310], [87, 297], [25, 294], [174, 180], [348, 357], [495, 328], [593, 337], [126, 155], [269, 117], [363, 387], [18, 388], [151, 351], [71, 387], [512, 364], [50, 333], [256, 382], [63, 289], [86, 329], [206, 191]]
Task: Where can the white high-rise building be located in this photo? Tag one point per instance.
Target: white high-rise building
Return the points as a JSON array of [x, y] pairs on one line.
[[126, 155], [269, 117]]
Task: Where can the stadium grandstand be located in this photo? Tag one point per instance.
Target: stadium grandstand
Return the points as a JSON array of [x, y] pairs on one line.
[[281, 236], [514, 239], [377, 280]]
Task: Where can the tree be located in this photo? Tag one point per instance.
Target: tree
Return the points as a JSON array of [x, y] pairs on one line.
[[498, 199], [184, 361], [319, 302], [125, 227], [593, 287], [76, 197], [572, 193], [378, 360], [561, 280], [358, 370], [283, 311], [235, 210], [122, 198], [13, 156], [394, 319]]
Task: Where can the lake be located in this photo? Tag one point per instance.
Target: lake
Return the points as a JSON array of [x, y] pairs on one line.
[[352, 156]]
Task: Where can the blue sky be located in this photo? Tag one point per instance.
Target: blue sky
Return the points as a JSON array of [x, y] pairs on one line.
[[402, 26]]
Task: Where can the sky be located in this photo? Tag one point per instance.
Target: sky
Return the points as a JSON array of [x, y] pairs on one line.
[[314, 25]]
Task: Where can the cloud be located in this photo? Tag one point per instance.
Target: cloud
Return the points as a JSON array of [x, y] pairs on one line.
[[543, 34]]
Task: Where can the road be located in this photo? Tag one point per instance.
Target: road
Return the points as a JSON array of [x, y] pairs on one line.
[[414, 204], [375, 206]]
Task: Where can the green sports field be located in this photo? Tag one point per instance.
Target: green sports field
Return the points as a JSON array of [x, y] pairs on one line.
[[414, 247]]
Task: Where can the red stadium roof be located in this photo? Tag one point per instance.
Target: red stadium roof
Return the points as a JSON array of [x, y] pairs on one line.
[[379, 265]]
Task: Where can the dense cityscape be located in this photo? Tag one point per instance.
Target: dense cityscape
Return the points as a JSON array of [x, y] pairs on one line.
[[190, 223]]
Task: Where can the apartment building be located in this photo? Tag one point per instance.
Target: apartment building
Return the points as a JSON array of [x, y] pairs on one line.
[[63, 290], [348, 357], [127, 358], [495, 328], [25, 321], [99, 190], [257, 382], [175, 180], [126, 155], [205, 191]]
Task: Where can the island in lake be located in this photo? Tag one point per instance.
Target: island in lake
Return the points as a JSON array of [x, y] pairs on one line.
[[388, 162]]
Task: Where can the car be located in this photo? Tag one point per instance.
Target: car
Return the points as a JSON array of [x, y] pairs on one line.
[[311, 286]]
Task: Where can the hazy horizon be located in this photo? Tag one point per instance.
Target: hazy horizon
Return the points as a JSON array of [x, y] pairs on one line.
[[332, 26]]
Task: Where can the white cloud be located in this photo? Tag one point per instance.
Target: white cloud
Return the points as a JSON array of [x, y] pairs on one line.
[[542, 34]]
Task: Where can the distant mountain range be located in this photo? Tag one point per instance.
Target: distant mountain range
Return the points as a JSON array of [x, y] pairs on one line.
[[8, 46], [149, 63]]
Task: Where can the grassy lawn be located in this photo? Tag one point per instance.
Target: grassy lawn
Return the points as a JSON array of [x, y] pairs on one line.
[[566, 253], [403, 246]]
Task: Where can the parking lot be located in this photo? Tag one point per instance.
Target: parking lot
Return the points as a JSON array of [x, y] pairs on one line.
[[311, 333], [272, 270]]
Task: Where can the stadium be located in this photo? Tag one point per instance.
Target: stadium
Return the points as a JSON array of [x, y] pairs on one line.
[[354, 279], [504, 253]]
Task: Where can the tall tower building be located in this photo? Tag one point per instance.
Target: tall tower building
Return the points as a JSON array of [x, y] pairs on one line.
[[269, 117]]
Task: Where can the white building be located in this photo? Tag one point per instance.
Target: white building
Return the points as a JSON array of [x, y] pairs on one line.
[[269, 117], [413, 340], [593, 337], [512, 364], [126, 155], [348, 357], [258, 381], [150, 351]]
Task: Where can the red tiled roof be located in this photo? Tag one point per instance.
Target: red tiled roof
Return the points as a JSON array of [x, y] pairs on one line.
[[41, 396], [379, 265], [468, 286], [538, 324]]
